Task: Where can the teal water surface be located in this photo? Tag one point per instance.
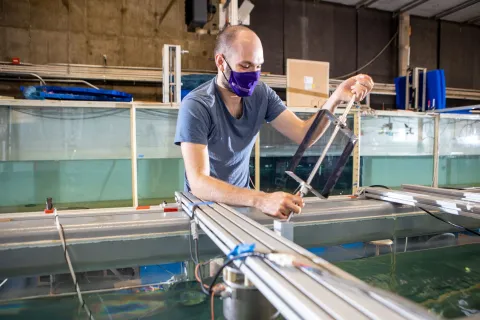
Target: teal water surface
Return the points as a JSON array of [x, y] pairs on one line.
[[182, 301], [444, 280]]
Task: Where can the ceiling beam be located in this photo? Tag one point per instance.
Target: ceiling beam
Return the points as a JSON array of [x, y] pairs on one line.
[[472, 20], [365, 3], [409, 6], [454, 9]]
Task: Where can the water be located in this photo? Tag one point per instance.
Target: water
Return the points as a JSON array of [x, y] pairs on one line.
[[393, 171], [444, 280], [145, 292], [83, 184], [182, 301], [86, 184], [441, 273], [273, 177]]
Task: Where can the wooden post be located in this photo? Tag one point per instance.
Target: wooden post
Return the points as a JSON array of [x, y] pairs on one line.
[[403, 44], [133, 149]]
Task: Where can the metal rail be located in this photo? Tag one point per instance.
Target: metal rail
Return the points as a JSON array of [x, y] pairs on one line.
[[429, 201], [297, 293], [153, 75], [464, 195], [101, 238]]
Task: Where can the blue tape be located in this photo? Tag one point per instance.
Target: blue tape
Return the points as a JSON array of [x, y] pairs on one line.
[[241, 248]]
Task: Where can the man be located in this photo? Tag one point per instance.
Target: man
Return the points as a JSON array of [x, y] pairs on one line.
[[218, 123]]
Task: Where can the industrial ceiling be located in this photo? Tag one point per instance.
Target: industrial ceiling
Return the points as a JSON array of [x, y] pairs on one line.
[[463, 11]]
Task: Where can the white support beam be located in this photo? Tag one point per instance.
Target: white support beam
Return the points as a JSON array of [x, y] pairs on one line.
[[133, 156], [436, 150], [233, 12]]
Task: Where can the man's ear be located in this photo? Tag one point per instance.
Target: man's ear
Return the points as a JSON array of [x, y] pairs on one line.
[[220, 62]]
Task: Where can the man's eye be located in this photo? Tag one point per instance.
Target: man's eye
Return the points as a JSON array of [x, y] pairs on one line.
[[245, 66]]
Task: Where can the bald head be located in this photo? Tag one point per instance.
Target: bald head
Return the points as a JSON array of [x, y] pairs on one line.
[[230, 35], [240, 47]]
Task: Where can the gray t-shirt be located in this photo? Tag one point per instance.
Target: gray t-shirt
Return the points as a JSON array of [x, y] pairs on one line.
[[204, 119]]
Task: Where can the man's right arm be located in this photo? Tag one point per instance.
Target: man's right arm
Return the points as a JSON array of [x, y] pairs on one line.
[[205, 187]]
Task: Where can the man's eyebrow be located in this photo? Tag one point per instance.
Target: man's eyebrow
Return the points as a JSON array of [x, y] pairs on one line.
[[249, 62]]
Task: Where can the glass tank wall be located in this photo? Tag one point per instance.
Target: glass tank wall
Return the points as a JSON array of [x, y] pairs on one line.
[[459, 144], [160, 165], [396, 150], [276, 152], [81, 156], [78, 156]]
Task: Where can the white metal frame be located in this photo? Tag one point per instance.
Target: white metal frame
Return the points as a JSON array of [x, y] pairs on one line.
[[172, 73], [417, 72], [436, 150]]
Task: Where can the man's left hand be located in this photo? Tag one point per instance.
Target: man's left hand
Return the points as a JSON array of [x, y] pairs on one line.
[[359, 85]]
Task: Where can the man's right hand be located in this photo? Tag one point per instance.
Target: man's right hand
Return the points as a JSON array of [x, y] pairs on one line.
[[280, 204]]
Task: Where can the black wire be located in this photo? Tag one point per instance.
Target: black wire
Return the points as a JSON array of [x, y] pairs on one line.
[[450, 223], [229, 261], [435, 216], [378, 186], [75, 283]]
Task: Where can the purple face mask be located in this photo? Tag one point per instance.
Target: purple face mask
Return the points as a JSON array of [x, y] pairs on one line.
[[242, 83]]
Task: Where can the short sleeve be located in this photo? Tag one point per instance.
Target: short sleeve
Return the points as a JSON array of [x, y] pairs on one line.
[[193, 123], [275, 105]]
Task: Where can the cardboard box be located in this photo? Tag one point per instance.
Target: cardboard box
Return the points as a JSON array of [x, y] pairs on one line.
[[307, 83]]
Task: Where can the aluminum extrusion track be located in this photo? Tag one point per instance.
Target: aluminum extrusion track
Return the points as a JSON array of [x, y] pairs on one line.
[[429, 201], [464, 195], [121, 237], [296, 293]]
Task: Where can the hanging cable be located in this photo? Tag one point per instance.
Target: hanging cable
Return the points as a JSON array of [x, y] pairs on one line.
[[198, 277], [436, 217], [3, 282], [69, 263], [450, 223], [212, 306], [371, 61], [192, 227], [378, 186]]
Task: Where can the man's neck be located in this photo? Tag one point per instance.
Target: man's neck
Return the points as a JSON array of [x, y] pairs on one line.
[[231, 100]]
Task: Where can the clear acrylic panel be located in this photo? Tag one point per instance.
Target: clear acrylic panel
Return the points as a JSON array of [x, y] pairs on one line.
[[80, 157], [396, 150], [459, 146], [160, 168], [276, 152]]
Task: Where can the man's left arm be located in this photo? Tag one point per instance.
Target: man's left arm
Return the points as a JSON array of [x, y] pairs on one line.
[[295, 129]]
